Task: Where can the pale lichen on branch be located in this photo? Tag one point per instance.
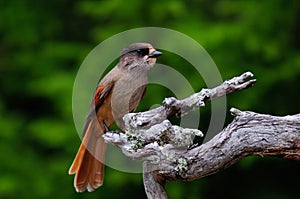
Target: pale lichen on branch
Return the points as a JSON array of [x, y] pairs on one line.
[[166, 149]]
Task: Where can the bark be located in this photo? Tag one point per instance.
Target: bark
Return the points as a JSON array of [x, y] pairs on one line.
[[168, 151]]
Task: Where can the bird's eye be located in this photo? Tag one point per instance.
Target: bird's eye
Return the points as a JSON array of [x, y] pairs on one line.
[[142, 52]]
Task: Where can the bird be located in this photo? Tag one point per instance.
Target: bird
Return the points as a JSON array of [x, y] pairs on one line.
[[118, 93]]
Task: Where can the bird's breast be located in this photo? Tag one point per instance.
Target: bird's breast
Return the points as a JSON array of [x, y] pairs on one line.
[[127, 93]]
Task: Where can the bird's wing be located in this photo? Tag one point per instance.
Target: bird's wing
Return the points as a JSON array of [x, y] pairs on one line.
[[100, 95]]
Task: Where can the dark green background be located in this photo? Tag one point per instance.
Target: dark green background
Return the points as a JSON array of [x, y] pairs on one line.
[[43, 44]]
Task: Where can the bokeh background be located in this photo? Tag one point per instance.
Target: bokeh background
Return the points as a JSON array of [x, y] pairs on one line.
[[43, 44]]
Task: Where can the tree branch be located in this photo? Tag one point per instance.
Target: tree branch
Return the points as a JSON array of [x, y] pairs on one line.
[[168, 152], [173, 106], [249, 134], [153, 186]]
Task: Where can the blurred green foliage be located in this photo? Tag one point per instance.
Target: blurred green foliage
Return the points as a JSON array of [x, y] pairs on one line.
[[44, 42]]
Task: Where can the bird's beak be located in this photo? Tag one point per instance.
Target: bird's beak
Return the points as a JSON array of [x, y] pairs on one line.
[[155, 54]]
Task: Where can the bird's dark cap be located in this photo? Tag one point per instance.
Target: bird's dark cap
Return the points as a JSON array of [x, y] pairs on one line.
[[135, 46]]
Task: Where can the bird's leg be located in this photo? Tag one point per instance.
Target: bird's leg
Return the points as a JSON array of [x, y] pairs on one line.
[[108, 130], [105, 126]]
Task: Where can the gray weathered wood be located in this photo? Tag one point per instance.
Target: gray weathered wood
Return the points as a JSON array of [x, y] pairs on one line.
[[153, 187], [249, 133], [168, 152], [173, 106]]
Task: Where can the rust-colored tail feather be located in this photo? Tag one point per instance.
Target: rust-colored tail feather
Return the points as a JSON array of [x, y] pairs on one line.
[[88, 164]]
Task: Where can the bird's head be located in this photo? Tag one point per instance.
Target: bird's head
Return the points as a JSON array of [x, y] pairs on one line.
[[139, 55]]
